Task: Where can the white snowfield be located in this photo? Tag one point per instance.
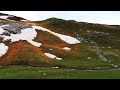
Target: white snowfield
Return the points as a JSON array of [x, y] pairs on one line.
[[5, 25], [58, 58], [66, 38], [67, 48], [27, 34], [52, 56], [23, 20], [4, 17], [3, 49]]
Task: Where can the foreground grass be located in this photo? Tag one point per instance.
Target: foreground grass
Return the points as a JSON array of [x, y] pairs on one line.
[[54, 73]]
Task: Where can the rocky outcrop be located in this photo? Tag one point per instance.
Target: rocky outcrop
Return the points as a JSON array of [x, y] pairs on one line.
[[14, 28]]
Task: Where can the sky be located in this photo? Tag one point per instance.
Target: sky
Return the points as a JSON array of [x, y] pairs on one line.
[[101, 17]]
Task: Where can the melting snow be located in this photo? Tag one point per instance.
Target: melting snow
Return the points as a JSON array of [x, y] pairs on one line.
[[23, 20], [3, 49], [4, 17], [58, 58], [67, 48], [4, 25], [52, 56], [35, 43], [27, 34], [67, 39]]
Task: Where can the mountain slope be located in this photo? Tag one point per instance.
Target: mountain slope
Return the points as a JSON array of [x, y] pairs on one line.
[[11, 17], [99, 42], [57, 42]]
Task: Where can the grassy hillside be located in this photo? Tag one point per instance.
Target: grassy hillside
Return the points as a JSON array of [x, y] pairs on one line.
[[99, 47], [96, 57]]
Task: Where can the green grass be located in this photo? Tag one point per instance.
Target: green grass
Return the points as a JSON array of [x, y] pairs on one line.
[[81, 59], [52, 73], [82, 64]]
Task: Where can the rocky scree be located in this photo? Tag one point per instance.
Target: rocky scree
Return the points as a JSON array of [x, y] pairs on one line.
[[14, 28]]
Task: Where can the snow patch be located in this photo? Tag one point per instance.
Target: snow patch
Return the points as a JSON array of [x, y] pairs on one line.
[[52, 56], [4, 17], [58, 58], [3, 49], [67, 48], [27, 34], [23, 20], [35, 43], [4, 25], [66, 38]]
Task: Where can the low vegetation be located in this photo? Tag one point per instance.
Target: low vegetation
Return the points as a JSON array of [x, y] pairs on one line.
[[18, 72]]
